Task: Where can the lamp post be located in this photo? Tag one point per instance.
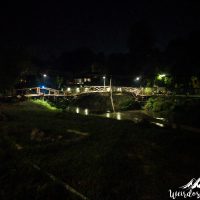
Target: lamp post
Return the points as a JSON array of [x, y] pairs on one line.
[[111, 97], [104, 82], [44, 78], [137, 80]]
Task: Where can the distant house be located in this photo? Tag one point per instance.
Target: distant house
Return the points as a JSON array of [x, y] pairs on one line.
[[82, 80]]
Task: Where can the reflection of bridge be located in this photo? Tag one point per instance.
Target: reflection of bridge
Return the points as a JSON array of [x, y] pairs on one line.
[[74, 91]]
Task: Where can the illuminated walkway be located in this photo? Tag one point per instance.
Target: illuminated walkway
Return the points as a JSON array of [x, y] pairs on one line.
[[74, 91]]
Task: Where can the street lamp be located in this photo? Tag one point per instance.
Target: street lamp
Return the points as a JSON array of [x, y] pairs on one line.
[[104, 82], [44, 78], [160, 76], [137, 78]]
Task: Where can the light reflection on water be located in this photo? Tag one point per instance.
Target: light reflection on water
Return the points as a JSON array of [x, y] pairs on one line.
[[108, 115], [136, 117], [137, 120], [158, 124], [86, 111], [77, 110], [119, 117], [161, 118]]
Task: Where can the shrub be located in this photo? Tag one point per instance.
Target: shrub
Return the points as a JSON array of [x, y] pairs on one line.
[[160, 104]]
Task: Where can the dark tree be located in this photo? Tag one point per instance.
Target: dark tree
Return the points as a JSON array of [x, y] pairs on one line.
[[182, 56], [117, 64], [77, 61], [13, 61], [141, 44]]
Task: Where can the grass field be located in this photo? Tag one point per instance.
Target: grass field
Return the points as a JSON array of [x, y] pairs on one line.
[[102, 159]]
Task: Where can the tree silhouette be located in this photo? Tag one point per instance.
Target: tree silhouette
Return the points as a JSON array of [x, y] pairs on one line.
[[141, 44], [12, 62]]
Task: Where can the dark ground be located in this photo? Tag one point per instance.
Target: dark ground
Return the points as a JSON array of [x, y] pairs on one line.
[[110, 160]]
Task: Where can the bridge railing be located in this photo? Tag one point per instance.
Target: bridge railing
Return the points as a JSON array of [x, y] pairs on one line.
[[93, 89], [37, 91]]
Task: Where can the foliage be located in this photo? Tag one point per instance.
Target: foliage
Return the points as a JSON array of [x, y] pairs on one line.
[[102, 102], [125, 102], [148, 90], [59, 81], [160, 104], [178, 109], [59, 102], [195, 82], [44, 103], [163, 80]]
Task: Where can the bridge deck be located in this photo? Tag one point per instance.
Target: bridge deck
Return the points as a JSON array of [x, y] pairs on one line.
[[74, 91]]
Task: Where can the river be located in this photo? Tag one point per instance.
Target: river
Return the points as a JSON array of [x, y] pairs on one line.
[[137, 116]]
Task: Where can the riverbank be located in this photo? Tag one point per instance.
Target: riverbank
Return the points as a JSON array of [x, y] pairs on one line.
[[177, 110], [98, 157], [97, 102]]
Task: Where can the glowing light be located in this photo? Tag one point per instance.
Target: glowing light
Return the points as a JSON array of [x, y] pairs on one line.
[[86, 89], [86, 111], [43, 87], [119, 116], [161, 76], [108, 115], [44, 75], [160, 118], [119, 89], [104, 82], [68, 89], [158, 124], [77, 89], [108, 89], [77, 110], [137, 78]]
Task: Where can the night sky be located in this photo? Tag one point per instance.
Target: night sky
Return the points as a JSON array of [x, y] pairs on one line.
[[101, 26]]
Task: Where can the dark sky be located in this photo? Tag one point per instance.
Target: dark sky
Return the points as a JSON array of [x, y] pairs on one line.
[[102, 26]]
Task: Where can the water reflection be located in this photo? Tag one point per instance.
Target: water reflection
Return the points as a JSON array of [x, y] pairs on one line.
[[108, 115], [158, 124], [135, 116], [77, 90], [119, 117], [161, 118], [77, 110], [86, 111], [136, 120]]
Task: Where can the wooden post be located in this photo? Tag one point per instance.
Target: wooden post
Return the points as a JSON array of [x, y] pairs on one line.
[[111, 97]]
